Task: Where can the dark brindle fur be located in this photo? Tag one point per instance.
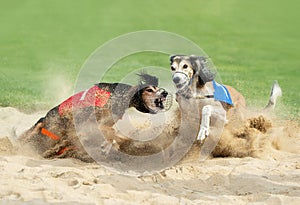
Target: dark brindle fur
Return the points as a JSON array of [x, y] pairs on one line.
[[55, 135]]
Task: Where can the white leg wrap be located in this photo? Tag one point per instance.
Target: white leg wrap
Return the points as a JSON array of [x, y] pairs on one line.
[[204, 127]]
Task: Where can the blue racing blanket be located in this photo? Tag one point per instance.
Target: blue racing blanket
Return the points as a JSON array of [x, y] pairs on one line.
[[221, 93]]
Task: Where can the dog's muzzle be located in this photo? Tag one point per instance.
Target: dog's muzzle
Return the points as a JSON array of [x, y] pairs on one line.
[[180, 79], [163, 100]]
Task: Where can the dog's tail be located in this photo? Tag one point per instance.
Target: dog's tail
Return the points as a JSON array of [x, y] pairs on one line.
[[275, 93]]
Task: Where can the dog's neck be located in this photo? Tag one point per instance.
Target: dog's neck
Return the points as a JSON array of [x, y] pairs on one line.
[[139, 106], [137, 102], [202, 90], [197, 90]]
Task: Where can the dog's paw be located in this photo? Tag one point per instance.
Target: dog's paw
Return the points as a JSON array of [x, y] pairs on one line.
[[203, 133], [106, 146]]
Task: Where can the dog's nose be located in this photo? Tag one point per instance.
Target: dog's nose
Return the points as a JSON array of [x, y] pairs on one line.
[[164, 93], [176, 80]]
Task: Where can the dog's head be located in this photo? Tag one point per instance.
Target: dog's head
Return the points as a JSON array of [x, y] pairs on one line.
[[185, 69], [149, 98]]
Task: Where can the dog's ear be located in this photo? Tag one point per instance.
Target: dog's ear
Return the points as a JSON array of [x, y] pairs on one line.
[[146, 79], [172, 58], [202, 69]]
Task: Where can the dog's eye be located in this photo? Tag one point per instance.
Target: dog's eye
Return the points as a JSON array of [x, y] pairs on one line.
[[172, 68], [149, 90], [185, 66]]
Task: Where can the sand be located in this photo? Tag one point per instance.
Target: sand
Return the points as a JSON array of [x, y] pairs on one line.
[[270, 174]]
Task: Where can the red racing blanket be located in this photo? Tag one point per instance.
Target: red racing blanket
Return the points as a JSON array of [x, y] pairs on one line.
[[93, 96]]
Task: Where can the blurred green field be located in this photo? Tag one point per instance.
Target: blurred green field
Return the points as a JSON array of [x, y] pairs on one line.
[[45, 43]]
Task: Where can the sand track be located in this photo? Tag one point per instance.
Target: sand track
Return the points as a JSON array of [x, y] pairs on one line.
[[267, 174]]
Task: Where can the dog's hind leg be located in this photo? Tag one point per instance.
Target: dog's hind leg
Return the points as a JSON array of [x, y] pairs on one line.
[[275, 93], [34, 130]]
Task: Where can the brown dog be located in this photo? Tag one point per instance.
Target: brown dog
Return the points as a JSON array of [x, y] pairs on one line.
[[55, 135]]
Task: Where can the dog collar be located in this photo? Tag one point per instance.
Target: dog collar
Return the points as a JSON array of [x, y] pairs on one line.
[[205, 96]]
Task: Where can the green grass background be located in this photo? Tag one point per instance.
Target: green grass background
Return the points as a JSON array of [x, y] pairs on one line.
[[251, 43]]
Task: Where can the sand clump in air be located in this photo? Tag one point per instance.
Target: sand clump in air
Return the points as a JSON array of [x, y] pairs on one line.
[[257, 162], [259, 137]]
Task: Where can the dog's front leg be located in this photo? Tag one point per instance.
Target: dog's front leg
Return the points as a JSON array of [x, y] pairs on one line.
[[205, 121], [112, 139]]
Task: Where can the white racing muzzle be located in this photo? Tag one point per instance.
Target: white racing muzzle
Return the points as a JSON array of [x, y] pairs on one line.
[[181, 80]]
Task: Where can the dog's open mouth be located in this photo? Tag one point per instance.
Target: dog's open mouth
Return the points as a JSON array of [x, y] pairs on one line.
[[163, 102], [159, 102]]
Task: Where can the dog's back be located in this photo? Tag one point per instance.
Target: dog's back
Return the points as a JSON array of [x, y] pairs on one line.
[[237, 97]]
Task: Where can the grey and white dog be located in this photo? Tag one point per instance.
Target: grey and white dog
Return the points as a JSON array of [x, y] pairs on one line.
[[216, 103]]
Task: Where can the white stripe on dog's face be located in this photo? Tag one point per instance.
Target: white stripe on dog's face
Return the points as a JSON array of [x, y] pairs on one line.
[[182, 72]]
